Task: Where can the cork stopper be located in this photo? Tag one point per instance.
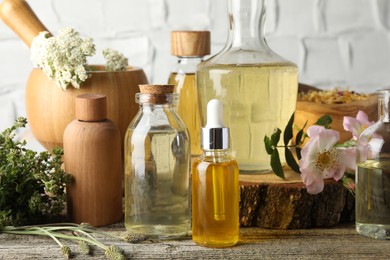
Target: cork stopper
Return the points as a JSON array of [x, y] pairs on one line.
[[156, 89], [91, 107], [190, 43], [156, 94]]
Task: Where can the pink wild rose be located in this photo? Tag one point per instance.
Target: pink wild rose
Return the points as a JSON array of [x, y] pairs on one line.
[[322, 160], [356, 125], [368, 144]]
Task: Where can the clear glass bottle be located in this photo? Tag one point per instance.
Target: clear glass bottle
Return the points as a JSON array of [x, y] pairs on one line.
[[373, 175], [157, 166], [190, 47], [258, 88], [215, 186]]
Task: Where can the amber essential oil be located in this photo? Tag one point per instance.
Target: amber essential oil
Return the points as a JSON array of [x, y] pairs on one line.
[[215, 187], [215, 201], [187, 107]]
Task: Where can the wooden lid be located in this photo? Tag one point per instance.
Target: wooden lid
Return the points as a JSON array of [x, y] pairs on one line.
[[190, 43], [91, 107]]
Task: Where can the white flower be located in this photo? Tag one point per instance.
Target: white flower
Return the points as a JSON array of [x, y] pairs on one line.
[[63, 58], [114, 60]]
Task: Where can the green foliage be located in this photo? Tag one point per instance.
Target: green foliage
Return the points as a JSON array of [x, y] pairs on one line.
[[32, 185], [271, 145], [325, 121], [271, 148]]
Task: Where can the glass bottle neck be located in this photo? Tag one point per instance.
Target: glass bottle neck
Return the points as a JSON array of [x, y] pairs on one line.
[[383, 105], [189, 59], [246, 43], [156, 100], [187, 64], [148, 106], [217, 153], [246, 24]]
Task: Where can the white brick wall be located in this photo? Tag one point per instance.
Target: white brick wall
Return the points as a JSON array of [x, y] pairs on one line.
[[334, 43]]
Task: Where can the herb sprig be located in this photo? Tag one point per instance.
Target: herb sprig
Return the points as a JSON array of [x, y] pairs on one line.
[[32, 185]]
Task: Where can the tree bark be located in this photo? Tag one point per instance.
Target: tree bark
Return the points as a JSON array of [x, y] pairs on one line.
[[270, 202]]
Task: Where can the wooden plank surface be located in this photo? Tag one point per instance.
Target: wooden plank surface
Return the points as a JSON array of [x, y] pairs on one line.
[[341, 242]]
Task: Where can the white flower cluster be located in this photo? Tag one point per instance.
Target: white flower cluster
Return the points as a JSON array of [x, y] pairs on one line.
[[63, 58], [114, 60]]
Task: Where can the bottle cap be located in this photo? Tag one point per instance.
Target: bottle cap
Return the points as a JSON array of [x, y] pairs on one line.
[[190, 43], [215, 135], [91, 107]]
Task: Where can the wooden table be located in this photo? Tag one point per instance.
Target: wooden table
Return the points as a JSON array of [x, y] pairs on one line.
[[341, 242]]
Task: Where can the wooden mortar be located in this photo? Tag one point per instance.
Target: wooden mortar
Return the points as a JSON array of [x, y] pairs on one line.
[[49, 108]]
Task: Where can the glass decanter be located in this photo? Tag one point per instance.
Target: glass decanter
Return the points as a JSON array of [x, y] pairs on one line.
[[257, 87]]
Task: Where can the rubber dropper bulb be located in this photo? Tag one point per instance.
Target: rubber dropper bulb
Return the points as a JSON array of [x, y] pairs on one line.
[[214, 135], [214, 114]]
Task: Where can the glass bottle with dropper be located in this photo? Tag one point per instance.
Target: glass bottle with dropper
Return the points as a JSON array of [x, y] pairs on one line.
[[215, 185], [190, 47]]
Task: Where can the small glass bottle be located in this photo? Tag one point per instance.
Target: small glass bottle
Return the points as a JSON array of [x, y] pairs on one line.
[[373, 175], [157, 165], [190, 47], [215, 186], [257, 87]]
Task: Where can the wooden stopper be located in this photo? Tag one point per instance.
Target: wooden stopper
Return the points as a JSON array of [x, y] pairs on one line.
[[190, 43], [91, 107]]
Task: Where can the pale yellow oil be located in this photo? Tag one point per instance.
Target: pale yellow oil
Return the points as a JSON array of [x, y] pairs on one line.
[[373, 198], [187, 106], [215, 203], [256, 99]]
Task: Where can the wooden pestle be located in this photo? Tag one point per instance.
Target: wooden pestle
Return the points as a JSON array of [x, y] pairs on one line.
[[19, 16]]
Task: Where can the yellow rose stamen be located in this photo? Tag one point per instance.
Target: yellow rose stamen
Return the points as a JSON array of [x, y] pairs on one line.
[[328, 159]]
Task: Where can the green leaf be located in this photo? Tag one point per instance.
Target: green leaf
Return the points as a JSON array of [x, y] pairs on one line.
[[268, 145], [291, 160], [298, 138], [324, 121], [275, 137], [298, 152], [288, 131], [276, 165]]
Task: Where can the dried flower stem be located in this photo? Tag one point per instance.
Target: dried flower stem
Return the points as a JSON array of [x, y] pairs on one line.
[[53, 232]]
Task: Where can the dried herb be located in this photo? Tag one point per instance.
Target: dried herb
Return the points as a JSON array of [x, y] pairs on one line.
[[84, 234]]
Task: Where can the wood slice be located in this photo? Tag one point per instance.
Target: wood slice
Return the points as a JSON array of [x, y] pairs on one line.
[[270, 202]]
